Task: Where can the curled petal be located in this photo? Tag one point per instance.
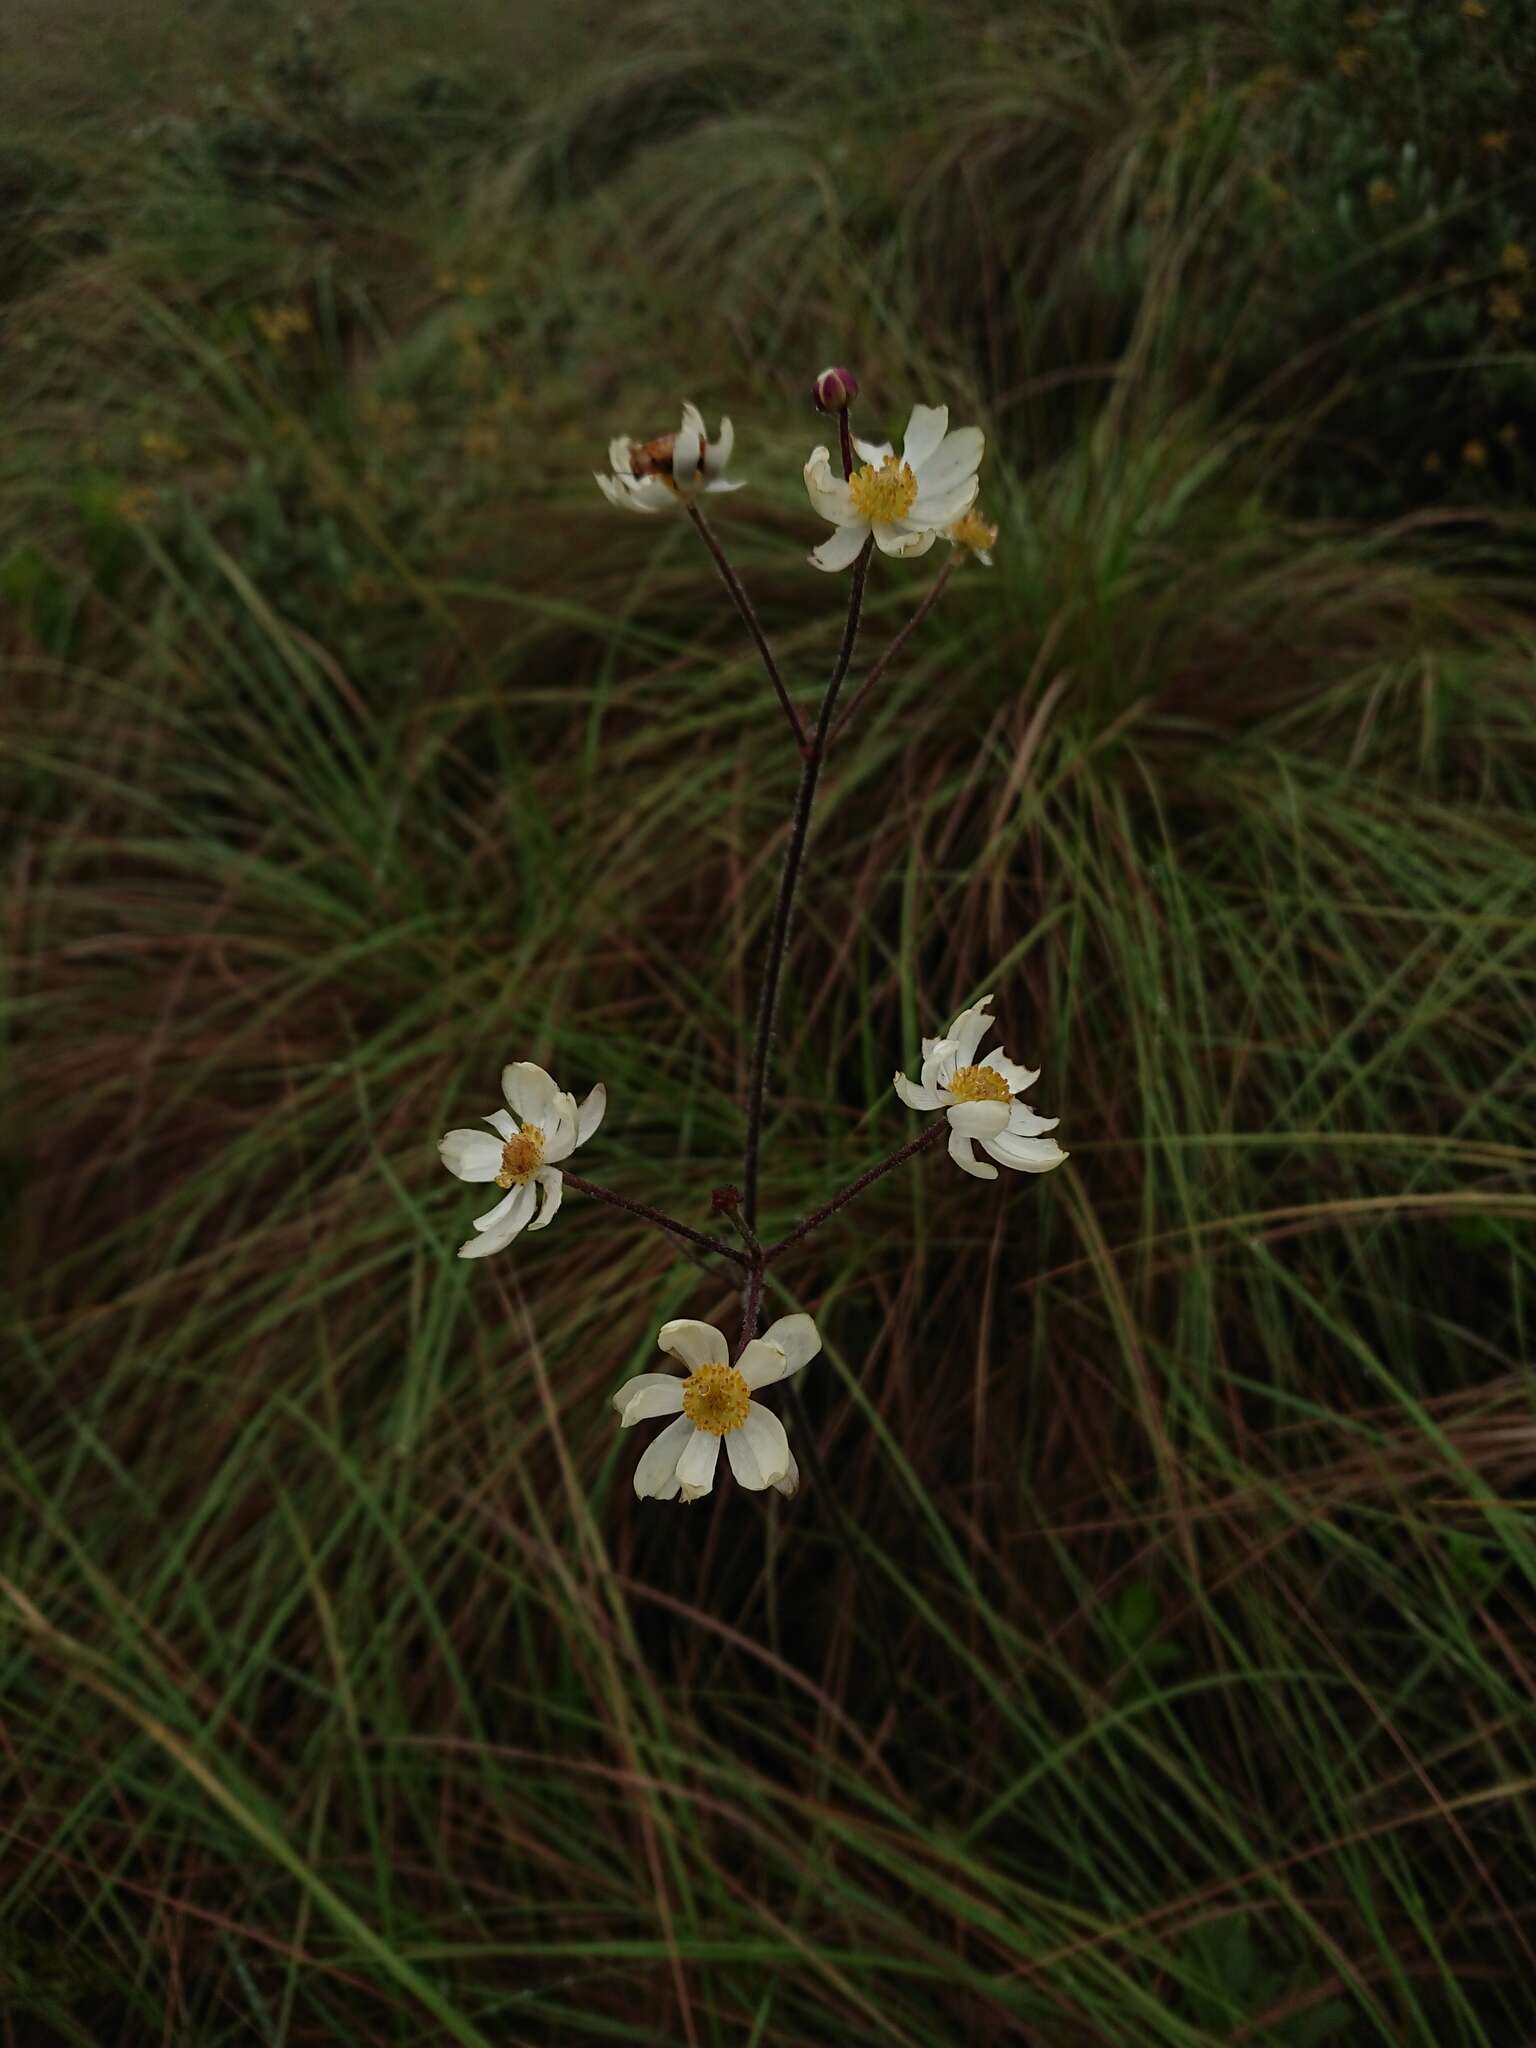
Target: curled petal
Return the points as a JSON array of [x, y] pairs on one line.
[[590, 1115], [1023, 1122], [552, 1181], [502, 1123], [953, 463], [656, 1474], [618, 455], [872, 452], [530, 1091], [970, 1028], [829, 494], [797, 1337], [686, 450], [472, 1155], [942, 508], [759, 1450], [1025, 1155], [726, 483], [503, 1208], [694, 1343], [897, 541], [512, 1223], [718, 452], [762, 1363], [916, 1097], [940, 1062], [648, 1394], [961, 1153], [1018, 1078], [789, 1485]]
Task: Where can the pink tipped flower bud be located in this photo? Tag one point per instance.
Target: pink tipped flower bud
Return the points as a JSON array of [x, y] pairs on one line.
[[835, 390]]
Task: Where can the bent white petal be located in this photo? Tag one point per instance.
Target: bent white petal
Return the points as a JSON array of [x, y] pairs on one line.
[[961, 1153], [829, 494], [1026, 1155], [1018, 1078], [501, 1121], [840, 548], [662, 1394], [898, 542], [1023, 1122], [641, 1383], [511, 1224], [939, 1061], [552, 1181], [718, 452], [560, 1128], [530, 1091], [759, 1450], [492, 1217], [762, 1363], [590, 1115], [953, 463], [978, 1119], [872, 452], [472, 1155], [686, 450], [915, 1097], [797, 1337], [789, 1485], [656, 1473], [694, 1343]]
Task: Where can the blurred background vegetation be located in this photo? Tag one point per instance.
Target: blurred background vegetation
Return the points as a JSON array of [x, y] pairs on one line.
[[352, 746]]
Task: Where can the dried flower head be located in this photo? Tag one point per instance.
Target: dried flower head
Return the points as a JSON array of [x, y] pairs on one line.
[[650, 476]]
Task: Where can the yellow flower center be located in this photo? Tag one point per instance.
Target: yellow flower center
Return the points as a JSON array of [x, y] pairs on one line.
[[978, 1084], [521, 1157], [716, 1399], [884, 494], [973, 531]]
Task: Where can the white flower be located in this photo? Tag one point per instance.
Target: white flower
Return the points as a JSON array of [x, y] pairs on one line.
[[522, 1156], [978, 1100], [649, 476], [715, 1401], [904, 503], [975, 533]]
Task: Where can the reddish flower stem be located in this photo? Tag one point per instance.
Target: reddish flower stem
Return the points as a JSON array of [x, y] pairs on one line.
[[819, 1216], [656, 1216], [896, 645], [750, 620]]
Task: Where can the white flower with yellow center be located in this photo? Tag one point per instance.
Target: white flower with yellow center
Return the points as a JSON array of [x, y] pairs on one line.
[[975, 533], [905, 501], [522, 1156], [651, 476], [977, 1097], [713, 1402]]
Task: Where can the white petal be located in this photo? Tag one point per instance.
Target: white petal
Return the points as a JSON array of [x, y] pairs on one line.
[[829, 494], [552, 1181], [896, 541], [961, 1153], [840, 549], [762, 1363], [939, 1061], [1024, 1123], [530, 1091], [718, 453], [694, 1343], [1026, 1155], [560, 1128], [872, 452], [693, 419], [978, 1119], [590, 1115], [797, 1337], [611, 491], [789, 1485], [953, 463], [500, 1121], [970, 1028], [925, 430], [696, 1467], [648, 1394], [472, 1155], [759, 1450], [618, 454], [497, 1240], [503, 1208], [1018, 1078], [656, 1473], [941, 508], [685, 453], [725, 483], [651, 494], [915, 1097]]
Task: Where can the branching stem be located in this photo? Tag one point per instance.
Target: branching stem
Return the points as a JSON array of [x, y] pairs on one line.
[[926, 1137], [900, 641], [750, 620], [656, 1216]]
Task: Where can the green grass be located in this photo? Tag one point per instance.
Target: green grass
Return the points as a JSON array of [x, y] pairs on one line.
[[353, 746]]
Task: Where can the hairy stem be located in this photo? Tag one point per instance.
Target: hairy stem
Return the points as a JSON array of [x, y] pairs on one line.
[[813, 754], [656, 1216], [817, 1217], [750, 620], [897, 644]]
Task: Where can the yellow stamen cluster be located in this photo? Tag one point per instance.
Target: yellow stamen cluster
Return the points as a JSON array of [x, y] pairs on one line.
[[973, 532], [716, 1399], [884, 494], [978, 1084], [521, 1157]]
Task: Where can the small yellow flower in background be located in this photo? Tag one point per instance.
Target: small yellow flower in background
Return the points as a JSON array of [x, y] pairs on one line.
[[1381, 192], [1473, 10], [651, 476], [978, 1099], [1504, 306], [1351, 61], [906, 502], [1495, 140], [162, 447], [1475, 455], [522, 1156], [1510, 435], [715, 1401], [975, 533], [280, 324], [1432, 463], [1515, 258]]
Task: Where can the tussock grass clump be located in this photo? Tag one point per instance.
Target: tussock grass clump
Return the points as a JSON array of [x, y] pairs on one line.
[[353, 746]]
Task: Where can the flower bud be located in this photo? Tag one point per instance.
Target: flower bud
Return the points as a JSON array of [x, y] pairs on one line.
[[835, 390]]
